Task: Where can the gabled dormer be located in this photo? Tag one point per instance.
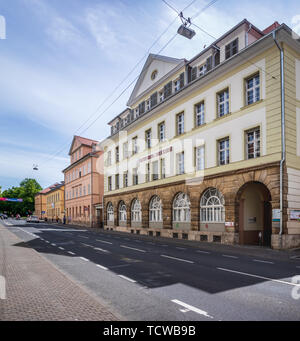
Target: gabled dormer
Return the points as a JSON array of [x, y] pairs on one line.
[[80, 147]]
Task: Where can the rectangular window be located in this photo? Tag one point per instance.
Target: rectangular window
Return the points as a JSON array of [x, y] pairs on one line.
[[180, 163], [142, 107], [89, 167], [192, 73], [232, 48], [153, 100], [168, 90], [79, 153], [252, 89], [223, 102], [117, 154], [125, 150], [200, 161], [176, 85], [202, 70], [135, 179], [148, 104], [209, 63], [117, 184], [162, 168], [162, 132], [155, 170], [80, 191], [148, 138], [161, 96], [147, 172], [84, 191], [109, 185], [134, 145], [125, 179], [180, 123], [89, 189], [253, 143], [199, 114], [223, 151]]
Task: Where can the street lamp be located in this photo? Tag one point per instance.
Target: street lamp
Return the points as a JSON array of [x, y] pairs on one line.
[[184, 29]]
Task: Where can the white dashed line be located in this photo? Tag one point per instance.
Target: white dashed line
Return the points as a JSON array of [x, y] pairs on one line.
[[191, 308], [181, 260], [83, 237], [205, 252], [53, 244], [127, 279], [101, 267], [132, 248], [85, 259], [229, 256], [180, 248], [261, 277], [61, 248], [99, 249], [71, 253], [262, 261], [103, 241]]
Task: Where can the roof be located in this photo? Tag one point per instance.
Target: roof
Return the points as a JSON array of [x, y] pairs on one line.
[[55, 186], [83, 141]]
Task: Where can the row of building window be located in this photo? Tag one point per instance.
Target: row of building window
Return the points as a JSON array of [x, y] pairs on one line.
[[78, 191], [211, 209], [174, 86], [252, 95], [80, 211], [78, 173], [53, 198], [152, 171], [76, 156]]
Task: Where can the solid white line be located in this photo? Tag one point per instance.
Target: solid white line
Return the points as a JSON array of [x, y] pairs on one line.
[[203, 252], [84, 259], [262, 261], [229, 256], [103, 241], [61, 248], [127, 279], [101, 267], [182, 260], [98, 249], [71, 253], [262, 277], [131, 248], [191, 308]]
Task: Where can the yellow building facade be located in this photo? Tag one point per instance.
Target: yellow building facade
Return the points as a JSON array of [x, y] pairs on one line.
[[55, 202]]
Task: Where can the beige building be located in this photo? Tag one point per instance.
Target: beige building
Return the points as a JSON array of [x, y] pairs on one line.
[[55, 202], [208, 149], [84, 183]]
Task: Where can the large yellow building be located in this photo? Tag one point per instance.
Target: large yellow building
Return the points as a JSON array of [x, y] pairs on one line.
[[209, 148], [55, 202]]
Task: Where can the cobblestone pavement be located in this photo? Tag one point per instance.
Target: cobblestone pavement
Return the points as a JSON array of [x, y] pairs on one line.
[[36, 290]]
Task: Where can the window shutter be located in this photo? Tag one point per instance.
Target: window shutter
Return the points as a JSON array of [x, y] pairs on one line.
[[217, 58], [181, 79], [194, 73], [142, 107], [168, 90], [153, 100], [209, 63]]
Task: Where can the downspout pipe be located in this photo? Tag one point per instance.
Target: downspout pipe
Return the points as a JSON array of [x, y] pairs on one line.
[[283, 152], [247, 35]]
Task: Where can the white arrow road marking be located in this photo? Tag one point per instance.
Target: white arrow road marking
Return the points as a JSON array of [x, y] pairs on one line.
[[262, 277], [191, 308]]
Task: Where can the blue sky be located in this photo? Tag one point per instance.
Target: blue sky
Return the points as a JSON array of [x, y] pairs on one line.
[[62, 58]]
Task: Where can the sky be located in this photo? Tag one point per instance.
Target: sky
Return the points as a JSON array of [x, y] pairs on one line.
[[62, 63]]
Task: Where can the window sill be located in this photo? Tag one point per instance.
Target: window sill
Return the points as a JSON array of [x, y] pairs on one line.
[[221, 117], [200, 126], [251, 105]]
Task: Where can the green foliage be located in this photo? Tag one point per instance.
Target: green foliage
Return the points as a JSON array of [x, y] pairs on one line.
[[26, 191]]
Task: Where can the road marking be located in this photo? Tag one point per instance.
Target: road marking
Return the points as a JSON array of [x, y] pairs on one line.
[[181, 260], [262, 277], [47, 241], [101, 267], [151, 243], [200, 251], [262, 261], [85, 259], [298, 267], [61, 248], [191, 308], [53, 244], [103, 241], [127, 279], [132, 248], [229, 256], [98, 249], [181, 248], [71, 253], [83, 237]]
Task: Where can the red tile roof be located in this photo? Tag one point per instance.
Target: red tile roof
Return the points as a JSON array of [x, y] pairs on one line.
[[271, 27], [85, 140]]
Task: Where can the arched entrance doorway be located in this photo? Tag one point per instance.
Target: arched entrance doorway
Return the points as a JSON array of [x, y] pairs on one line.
[[254, 214]]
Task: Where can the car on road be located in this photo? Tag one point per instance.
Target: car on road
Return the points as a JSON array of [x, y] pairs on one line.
[[3, 216], [32, 219]]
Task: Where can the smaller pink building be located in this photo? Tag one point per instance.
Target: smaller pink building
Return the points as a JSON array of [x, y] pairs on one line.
[[84, 183]]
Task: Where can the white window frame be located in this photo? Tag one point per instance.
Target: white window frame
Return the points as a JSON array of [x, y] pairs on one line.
[[155, 209], [212, 206], [180, 163], [253, 89], [125, 150], [253, 143], [110, 212], [162, 131], [122, 212], [162, 168], [155, 173], [148, 138], [225, 150], [202, 69], [136, 211], [180, 123], [182, 208], [200, 158], [223, 103], [199, 112]]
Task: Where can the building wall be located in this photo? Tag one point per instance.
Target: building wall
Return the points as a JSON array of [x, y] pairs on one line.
[[55, 204]]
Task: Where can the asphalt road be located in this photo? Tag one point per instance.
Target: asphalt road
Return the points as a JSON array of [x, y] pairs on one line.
[[159, 280]]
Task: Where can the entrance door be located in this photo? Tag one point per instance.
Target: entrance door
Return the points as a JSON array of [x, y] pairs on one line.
[[267, 224]]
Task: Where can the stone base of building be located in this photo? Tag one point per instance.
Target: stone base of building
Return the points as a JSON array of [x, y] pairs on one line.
[[285, 241], [212, 237]]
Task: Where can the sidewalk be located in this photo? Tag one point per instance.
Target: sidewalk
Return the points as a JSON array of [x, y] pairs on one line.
[[249, 250], [38, 291]]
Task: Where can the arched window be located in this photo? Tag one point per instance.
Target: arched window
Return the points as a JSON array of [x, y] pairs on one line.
[[181, 208], [110, 212], [155, 209], [212, 206], [136, 211], [122, 211]]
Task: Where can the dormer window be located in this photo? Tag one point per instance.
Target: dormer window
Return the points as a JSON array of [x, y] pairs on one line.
[[161, 96], [148, 104], [202, 70], [232, 48], [176, 85]]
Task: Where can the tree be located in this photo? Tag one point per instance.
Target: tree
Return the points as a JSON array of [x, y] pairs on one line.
[[27, 190]]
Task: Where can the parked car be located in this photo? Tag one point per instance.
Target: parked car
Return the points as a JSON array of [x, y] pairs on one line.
[[3, 216], [32, 219]]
